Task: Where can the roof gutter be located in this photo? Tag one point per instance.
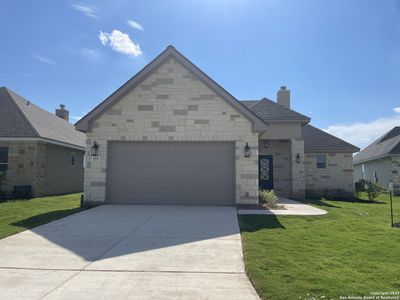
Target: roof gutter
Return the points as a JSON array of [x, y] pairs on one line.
[[329, 151], [44, 140], [374, 158]]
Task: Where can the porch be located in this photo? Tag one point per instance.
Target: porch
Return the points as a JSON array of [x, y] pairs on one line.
[[281, 166]]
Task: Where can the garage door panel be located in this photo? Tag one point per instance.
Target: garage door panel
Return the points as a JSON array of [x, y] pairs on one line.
[[193, 173]]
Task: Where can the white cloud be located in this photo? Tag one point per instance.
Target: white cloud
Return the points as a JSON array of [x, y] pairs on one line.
[[120, 42], [135, 25], [91, 53], [28, 74], [364, 133], [86, 9], [44, 59]]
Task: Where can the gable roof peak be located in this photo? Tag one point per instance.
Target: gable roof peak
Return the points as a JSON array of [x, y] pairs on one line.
[[21, 118], [84, 124]]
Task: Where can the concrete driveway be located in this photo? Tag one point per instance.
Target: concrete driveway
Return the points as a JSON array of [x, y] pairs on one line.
[[128, 252]]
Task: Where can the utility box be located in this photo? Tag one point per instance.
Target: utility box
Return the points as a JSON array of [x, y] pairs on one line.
[[22, 191]]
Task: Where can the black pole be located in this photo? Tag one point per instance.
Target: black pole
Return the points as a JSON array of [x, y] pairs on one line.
[[391, 206]]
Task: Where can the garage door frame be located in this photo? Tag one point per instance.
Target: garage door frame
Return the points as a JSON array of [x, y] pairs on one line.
[[108, 165]]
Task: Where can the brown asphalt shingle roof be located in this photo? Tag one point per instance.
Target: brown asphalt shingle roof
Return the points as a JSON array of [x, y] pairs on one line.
[[314, 138], [18, 119], [13, 122], [319, 140], [269, 110]]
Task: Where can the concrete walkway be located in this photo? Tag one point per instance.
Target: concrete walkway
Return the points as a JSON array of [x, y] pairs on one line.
[[292, 208], [128, 252]]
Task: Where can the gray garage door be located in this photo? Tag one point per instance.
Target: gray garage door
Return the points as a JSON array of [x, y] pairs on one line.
[[192, 173]]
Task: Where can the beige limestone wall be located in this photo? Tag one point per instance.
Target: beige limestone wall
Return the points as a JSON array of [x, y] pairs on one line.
[[173, 105], [282, 131], [298, 172], [336, 180], [281, 155], [26, 165]]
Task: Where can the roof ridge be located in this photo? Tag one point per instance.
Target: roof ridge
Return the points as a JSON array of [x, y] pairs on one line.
[[389, 135], [282, 113], [7, 90], [286, 108], [42, 123], [84, 123], [257, 102]]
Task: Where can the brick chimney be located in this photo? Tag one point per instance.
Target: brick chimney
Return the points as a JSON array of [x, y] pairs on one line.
[[283, 97], [62, 112]]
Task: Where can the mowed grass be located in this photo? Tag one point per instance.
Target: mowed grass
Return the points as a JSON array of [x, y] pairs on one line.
[[19, 215], [352, 250]]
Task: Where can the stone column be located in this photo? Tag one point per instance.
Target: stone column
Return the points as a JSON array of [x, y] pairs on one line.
[[298, 174]]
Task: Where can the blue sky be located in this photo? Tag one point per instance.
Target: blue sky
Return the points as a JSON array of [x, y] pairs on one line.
[[340, 58]]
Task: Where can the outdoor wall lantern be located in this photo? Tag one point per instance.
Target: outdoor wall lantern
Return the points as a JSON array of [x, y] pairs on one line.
[[298, 158], [95, 149], [247, 150]]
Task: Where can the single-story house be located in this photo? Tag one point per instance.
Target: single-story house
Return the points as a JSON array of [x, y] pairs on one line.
[[38, 148], [172, 135], [380, 161]]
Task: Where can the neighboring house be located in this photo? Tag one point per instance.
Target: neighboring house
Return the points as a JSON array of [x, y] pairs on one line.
[[38, 148], [380, 161], [172, 135]]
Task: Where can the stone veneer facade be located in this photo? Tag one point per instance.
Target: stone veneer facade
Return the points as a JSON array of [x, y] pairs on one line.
[[298, 171], [26, 165], [280, 150], [335, 180], [288, 174], [173, 105]]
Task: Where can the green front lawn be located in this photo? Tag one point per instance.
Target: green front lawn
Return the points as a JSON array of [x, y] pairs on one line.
[[19, 215], [350, 251]]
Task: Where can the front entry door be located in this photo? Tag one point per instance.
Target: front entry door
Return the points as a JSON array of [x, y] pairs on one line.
[[265, 172]]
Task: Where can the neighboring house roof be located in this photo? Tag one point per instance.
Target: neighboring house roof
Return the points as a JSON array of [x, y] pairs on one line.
[[270, 111], [320, 141], [84, 123], [20, 118], [386, 145]]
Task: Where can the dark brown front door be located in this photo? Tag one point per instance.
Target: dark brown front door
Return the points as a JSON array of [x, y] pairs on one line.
[[265, 172]]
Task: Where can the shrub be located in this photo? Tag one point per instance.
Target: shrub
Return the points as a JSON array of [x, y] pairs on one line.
[[269, 198], [373, 190], [359, 186]]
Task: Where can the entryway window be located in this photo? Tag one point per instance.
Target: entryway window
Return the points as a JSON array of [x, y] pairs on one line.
[[321, 161], [72, 160], [3, 159]]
